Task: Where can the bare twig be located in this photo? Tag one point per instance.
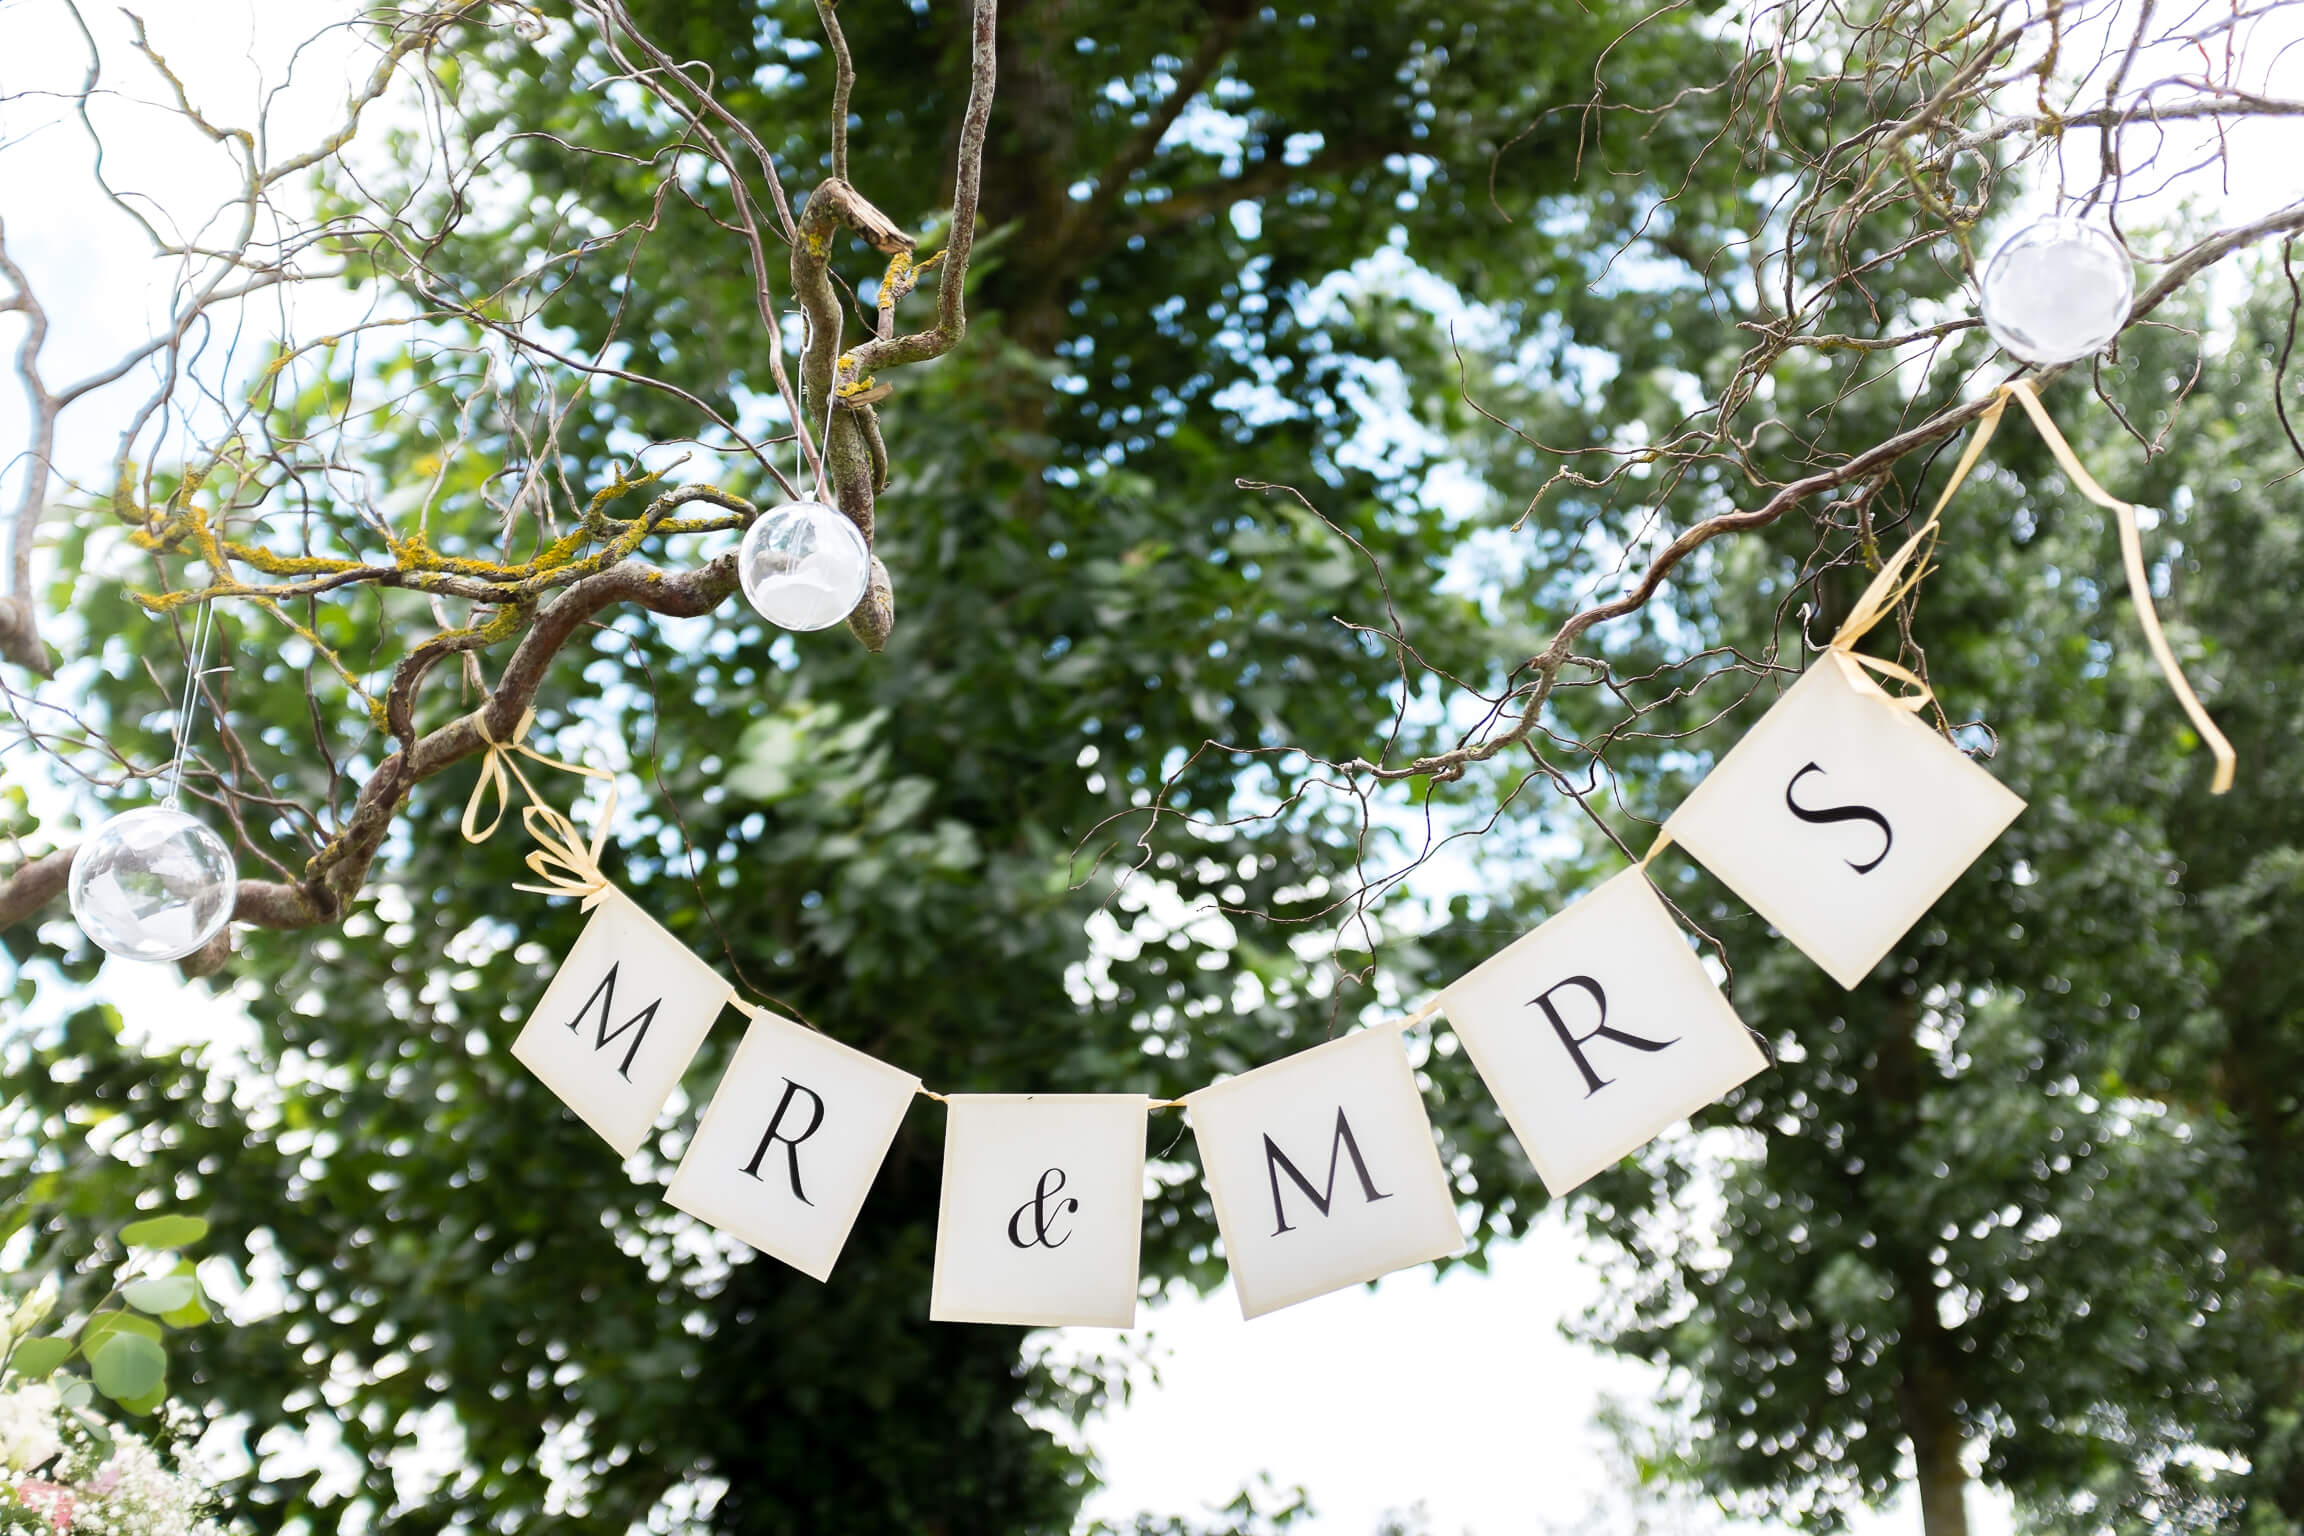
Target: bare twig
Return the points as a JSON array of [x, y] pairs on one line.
[[221, 511], [844, 81], [1877, 143]]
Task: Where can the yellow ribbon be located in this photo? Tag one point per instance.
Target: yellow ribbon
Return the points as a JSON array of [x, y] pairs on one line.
[[2139, 581], [564, 863], [1894, 582]]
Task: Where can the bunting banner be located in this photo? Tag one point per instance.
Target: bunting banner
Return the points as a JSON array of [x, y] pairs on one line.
[[1598, 1030], [1042, 1219], [1839, 817], [1323, 1171], [791, 1142]]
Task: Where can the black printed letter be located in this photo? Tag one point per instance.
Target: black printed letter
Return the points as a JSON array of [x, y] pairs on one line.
[[791, 1143], [1842, 813], [1275, 1160], [1601, 1030], [1043, 1209], [605, 995]]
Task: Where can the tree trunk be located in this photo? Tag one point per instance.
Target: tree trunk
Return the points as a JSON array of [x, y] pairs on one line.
[[1936, 1447], [1927, 1398]]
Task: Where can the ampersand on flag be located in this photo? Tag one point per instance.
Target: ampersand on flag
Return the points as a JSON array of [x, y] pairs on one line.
[[1042, 1215]]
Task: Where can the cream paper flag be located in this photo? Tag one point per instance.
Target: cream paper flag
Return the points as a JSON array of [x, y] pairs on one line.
[[1598, 1030], [1042, 1217], [1323, 1171], [791, 1143], [1841, 818], [621, 1021]]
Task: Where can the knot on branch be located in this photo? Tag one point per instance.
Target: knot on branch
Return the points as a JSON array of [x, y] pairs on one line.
[[835, 202]]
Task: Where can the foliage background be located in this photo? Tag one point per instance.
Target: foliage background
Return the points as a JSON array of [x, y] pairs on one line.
[[906, 849]]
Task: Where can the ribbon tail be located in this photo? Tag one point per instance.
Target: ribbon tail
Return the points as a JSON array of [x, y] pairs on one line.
[[2148, 617], [2139, 584], [561, 861], [605, 824], [1888, 588]]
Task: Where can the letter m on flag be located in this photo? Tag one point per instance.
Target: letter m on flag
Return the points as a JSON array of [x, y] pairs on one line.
[[603, 1003], [626, 985], [1343, 1144]]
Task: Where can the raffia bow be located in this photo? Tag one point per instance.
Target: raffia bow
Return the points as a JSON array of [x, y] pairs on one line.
[[1899, 574], [563, 862], [1905, 569]]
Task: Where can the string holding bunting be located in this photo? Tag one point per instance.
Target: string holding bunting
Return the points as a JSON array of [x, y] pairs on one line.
[[564, 863]]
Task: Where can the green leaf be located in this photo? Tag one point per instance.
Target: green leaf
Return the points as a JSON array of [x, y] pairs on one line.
[[190, 1315], [105, 1324], [100, 1437], [149, 1402], [165, 1294], [164, 1232], [37, 1358], [128, 1367]]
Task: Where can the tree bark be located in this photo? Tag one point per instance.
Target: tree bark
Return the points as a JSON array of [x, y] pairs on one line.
[[1933, 1424], [1928, 1393]]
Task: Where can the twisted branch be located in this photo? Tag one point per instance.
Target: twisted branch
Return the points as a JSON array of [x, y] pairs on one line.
[[1448, 766], [333, 878], [853, 462]]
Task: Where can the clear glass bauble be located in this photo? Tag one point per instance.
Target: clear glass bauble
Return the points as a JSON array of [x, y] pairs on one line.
[[153, 884], [804, 566], [2057, 291]]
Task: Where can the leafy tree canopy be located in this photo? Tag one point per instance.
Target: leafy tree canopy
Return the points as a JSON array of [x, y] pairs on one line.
[[1994, 1199]]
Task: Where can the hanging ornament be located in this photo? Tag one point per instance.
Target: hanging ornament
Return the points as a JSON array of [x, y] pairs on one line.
[[153, 884], [804, 566], [156, 884], [2057, 291]]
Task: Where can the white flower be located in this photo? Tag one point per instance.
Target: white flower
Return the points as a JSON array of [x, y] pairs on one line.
[[28, 1436], [135, 1492]]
